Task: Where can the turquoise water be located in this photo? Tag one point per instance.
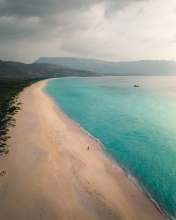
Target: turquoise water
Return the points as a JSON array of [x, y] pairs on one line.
[[137, 126]]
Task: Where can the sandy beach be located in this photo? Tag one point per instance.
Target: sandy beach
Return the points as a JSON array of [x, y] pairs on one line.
[[51, 174]]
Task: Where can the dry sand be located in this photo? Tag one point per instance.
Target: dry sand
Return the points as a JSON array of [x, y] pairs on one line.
[[51, 174]]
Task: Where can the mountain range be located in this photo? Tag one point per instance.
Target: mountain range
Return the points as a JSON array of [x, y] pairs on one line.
[[51, 67], [143, 67], [17, 69]]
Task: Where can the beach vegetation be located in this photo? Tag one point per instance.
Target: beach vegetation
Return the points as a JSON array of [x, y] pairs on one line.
[[10, 89]]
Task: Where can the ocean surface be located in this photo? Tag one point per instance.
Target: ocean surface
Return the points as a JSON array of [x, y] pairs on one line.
[[136, 125]]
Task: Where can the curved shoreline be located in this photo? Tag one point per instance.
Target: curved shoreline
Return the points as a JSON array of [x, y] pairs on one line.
[[51, 175], [108, 157]]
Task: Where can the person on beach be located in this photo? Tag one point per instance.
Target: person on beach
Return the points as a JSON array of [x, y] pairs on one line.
[[88, 148]]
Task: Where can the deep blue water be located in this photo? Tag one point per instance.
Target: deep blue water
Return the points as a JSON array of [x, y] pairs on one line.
[[137, 126]]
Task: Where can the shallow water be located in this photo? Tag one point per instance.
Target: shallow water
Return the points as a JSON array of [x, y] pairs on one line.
[[137, 125]]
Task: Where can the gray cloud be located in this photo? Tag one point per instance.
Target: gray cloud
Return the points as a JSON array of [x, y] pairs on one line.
[[15, 29], [34, 28], [40, 8], [44, 8], [65, 23], [115, 5], [32, 19]]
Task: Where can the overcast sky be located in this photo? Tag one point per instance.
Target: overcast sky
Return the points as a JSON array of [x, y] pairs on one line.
[[112, 30]]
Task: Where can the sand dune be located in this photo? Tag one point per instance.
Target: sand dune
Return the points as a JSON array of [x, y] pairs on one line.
[[52, 175]]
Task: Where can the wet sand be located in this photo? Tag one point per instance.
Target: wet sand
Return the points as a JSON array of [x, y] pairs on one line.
[[52, 175]]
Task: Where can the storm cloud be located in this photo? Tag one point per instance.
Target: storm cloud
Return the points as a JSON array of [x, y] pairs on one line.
[[80, 28], [42, 8]]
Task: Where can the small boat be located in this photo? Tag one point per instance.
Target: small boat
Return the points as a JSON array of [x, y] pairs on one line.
[[136, 86]]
